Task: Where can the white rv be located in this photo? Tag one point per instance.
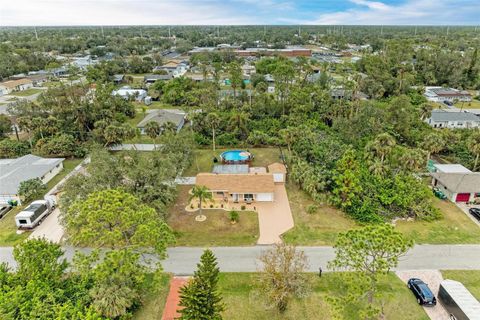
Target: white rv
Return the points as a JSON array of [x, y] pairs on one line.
[[32, 215]]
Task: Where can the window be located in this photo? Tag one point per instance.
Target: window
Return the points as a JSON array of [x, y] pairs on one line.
[[22, 221], [220, 193], [248, 196]]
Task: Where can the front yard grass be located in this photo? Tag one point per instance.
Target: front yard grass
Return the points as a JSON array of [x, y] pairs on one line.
[[454, 228], [238, 291], [474, 104], [26, 93], [154, 300], [216, 230], [319, 228], [469, 278], [203, 158], [8, 229]]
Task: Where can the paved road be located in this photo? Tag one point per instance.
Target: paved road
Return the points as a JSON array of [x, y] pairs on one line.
[[183, 260]]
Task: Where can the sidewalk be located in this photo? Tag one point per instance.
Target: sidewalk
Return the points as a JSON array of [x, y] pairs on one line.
[[173, 298]]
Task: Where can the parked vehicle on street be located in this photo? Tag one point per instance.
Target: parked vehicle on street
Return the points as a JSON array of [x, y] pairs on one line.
[[33, 215], [475, 212], [4, 209], [458, 301], [422, 292]]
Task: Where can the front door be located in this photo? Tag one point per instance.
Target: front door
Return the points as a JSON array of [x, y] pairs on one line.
[[235, 197]]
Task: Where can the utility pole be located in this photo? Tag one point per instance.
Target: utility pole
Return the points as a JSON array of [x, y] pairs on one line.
[[103, 34], [169, 34], [448, 30], [36, 34], [415, 30], [381, 30]]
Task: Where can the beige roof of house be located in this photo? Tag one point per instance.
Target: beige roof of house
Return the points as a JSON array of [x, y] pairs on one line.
[[237, 183], [459, 182], [277, 167], [13, 83]]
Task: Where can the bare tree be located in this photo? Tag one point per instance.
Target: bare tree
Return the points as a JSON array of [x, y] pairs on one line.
[[282, 275]]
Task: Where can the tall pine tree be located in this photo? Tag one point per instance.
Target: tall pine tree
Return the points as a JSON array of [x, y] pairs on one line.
[[199, 298]]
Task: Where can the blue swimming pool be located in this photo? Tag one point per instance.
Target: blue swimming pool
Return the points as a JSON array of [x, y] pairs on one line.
[[236, 156]]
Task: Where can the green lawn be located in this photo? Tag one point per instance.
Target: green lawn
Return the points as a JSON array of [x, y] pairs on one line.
[[238, 290], [203, 158], [8, 229], [319, 228], [26, 93], [474, 104], [469, 278], [215, 231], [455, 227], [154, 301]]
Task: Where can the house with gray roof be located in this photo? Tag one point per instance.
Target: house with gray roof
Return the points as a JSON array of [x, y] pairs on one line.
[[162, 116], [151, 78], [453, 119], [458, 186], [15, 171]]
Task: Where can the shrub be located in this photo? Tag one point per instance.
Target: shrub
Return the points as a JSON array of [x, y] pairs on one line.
[[12, 149], [63, 145], [234, 216], [32, 188], [311, 209], [211, 206], [243, 207]]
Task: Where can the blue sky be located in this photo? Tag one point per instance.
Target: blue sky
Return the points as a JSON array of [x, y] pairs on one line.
[[193, 12]]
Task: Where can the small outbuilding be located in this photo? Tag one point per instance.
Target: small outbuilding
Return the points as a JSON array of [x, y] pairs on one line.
[[279, 172], [458, 187]]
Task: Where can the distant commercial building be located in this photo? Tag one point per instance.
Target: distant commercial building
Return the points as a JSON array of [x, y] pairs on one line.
[[440, 94]]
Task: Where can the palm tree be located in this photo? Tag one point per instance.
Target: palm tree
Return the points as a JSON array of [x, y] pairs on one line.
[[474, 147], [433, 143], [238, 121], [214, 120], [201, 193], [288, 136], [381, 146], [168, 127], [425, 110], [412, 159], [153, 130]]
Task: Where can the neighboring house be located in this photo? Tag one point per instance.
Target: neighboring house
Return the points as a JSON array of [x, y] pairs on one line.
[[151, 78], [60, 72], [38, 79], [161, 116], [15, 171], [248, 70], [173, 67], [440, 94], [450, 168], [10, 86], [240, 183], [118, 78], [457, 119], [458, 186], [128, 93], [84, 62]]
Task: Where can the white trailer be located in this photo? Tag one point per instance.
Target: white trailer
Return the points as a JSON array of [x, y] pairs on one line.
[[458, 301], [34, 213]]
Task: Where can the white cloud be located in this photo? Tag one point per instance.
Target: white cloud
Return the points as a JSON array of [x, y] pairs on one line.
[[412, 12]]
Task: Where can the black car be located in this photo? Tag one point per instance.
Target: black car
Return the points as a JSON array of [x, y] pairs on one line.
[[422, 292], [4, 210], [475, 212]]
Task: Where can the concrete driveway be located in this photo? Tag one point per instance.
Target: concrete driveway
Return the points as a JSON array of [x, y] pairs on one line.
[[50, 228], [464, 207], [275, 218], [432, 278]]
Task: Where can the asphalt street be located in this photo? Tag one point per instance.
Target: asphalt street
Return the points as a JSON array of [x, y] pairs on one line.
[[183, 260]]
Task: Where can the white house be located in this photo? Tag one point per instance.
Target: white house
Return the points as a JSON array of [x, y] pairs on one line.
[[15, 171], [440, 94], [7, 87], [458, 187], [453, 119], [129, 93]]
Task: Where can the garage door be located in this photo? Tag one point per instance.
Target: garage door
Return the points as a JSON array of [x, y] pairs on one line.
[[264, 197], [463, 197]]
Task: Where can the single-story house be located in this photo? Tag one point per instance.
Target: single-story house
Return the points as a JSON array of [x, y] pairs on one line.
[[450, 168], [38, 79], [239, 187], [440, 94], [161, 116], [458, 187], [151, 78], [15, 171], [10, 86], [242, 183], [453, 119], [128, 93]]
